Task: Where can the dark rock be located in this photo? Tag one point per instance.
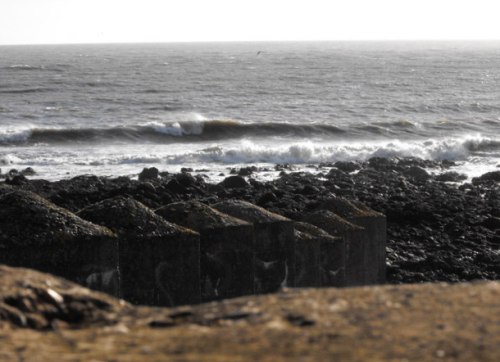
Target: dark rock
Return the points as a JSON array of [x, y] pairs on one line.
[[284, 167], [13, 172], [186, 169], [175, 187], [247, 171], [16, 180], [151, 173], [347, 166], [381, 163], [234, 182], [336, 174], [493, 176], [28, 171], [492, 223], [185, 179], [266, 198], [451, 176], [448, 163], [417, 173], [309, 190]]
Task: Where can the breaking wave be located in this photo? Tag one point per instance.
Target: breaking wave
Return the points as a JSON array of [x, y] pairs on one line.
[[191, 131], [455, 149]]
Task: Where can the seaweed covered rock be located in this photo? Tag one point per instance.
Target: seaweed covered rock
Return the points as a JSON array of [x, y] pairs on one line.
[[37, 234], [159, 261]]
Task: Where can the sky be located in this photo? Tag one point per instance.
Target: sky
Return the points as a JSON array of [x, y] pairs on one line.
[[130, 21]]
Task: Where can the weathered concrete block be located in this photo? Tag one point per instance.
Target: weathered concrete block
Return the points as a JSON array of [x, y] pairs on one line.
[[226, 244], [375, 225], [35, 233], [159, 261], [307, 256], [346, 258], [274, 244], [330, 258]]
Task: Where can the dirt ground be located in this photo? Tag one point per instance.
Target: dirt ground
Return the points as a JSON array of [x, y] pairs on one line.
[[459, 322]]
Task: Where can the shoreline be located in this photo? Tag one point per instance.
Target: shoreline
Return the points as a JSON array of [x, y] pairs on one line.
[[439, 227]]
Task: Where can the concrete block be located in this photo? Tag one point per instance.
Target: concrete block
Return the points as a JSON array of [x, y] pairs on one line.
[[308, 272], [274, 244], [375, 225], [35, 233], [159, 261], [226, 245], [346, 258]]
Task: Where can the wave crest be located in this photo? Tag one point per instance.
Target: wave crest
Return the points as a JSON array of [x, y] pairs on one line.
[[185, 130]]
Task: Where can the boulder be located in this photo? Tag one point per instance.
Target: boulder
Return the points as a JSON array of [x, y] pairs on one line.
[[451, 176], [347, 166], [233, 182], [416, 173], [493, 176], [274, 244], [149, 174], [159, 261], [226, 246], [37, 234]]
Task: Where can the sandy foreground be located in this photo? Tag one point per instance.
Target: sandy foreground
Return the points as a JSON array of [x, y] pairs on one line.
[[459, 322]]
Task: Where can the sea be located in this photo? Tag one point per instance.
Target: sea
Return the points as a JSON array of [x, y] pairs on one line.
[[113, 109]]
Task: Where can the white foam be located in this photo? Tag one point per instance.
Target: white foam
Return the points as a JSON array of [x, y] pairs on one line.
[[183, 123], [309, 152], [9, 159], [15, 135], [173, 129], [56, 162]]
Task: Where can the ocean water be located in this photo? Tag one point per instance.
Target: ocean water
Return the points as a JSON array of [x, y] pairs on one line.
[[113, 109]]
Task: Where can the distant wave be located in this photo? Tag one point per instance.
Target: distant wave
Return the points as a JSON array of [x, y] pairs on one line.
[[26, 90], [28, 67], [22, 67], [191, 131]]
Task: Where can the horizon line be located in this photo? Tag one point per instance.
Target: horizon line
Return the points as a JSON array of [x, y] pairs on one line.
[[444, 40]]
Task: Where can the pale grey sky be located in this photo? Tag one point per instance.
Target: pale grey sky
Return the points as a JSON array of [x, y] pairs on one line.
[[104, 21]]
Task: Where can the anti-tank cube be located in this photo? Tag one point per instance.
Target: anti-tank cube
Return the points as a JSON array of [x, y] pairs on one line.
[[226, 244], [274, 244], [159, 261], [35, 233], [375, 225]]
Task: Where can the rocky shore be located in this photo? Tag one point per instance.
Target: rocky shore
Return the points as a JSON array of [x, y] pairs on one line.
[[438, 227], [169, 240]]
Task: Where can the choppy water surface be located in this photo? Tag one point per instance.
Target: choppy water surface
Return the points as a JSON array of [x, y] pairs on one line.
[[114, 109]]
